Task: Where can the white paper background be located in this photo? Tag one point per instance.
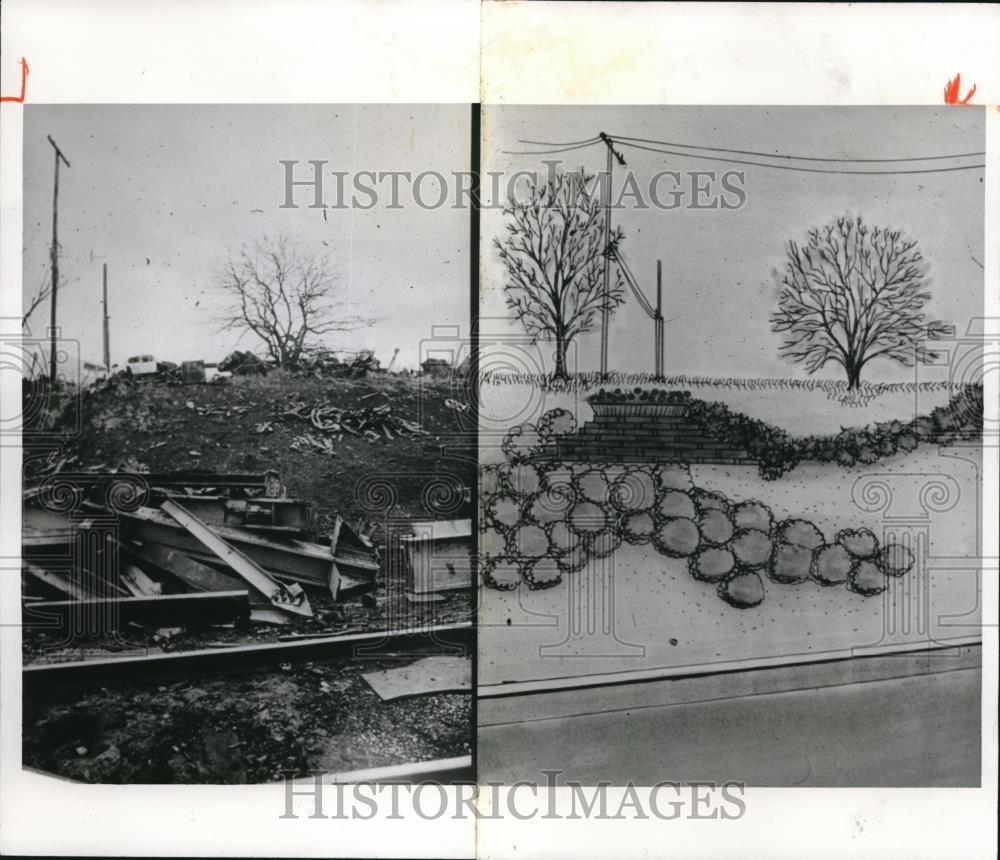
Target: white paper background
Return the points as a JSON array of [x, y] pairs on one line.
[[540, 53]]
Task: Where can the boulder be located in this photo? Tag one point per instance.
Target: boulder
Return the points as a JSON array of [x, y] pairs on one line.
[[753, 515], [675, 503], [715, 526], [790, 563], [866, 578], [831, 564], [677, 537], [895, 559], [712, 564], [860, 543], [752, 547], [799, 533], [743, 591]]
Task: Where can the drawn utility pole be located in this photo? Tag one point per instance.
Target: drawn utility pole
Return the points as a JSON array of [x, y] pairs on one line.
[[107, 340], [55, 261], [658, 323], [605, 307]]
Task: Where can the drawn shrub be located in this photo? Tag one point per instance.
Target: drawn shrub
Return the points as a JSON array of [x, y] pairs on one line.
[[831, 564], [790, 563], [602, 544], [593, 485], [866, 578], [799, 533], [895, 559], [522, 442], [674, 476], [752, 547], [554, 423], [860, 543], [677, 537], [634, 490], [706, 500], [528, 542], [588, 518], [550, 505], [712, 564], [743, 591], [489, 480], [715, 526], [753, 515], [503, 512], [500, 572], [519, 478], [638, 527], [674, 503], [541, 573]]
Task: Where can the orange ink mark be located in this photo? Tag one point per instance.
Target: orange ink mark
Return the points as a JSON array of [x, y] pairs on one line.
[[24, 83], [951, 92]]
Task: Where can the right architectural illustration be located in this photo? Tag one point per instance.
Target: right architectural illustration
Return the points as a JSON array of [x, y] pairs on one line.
[[731, 423]]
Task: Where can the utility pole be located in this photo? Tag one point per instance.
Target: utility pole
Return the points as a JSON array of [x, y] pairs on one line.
[[107, 340], [658, 322], [55, 261], [612, 152]]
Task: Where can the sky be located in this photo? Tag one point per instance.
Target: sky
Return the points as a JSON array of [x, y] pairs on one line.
[[721, 268], [164, 194]]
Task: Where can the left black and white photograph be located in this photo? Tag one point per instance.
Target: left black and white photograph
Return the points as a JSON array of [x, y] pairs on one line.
[[249, 443]]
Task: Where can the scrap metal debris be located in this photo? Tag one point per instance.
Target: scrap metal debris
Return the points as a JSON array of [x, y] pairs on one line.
[[188, 535], [369, 422], [429, 675]]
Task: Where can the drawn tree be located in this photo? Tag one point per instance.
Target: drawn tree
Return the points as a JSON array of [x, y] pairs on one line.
[[286, 296], [554, 254], [852, 294]]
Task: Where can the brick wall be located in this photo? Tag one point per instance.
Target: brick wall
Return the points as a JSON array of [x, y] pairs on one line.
[[645, 439]]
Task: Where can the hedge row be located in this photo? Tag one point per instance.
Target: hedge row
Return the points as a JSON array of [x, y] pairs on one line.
[[961, 419]]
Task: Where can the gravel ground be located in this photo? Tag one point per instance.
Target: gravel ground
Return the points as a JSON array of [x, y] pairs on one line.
[[252, 728]]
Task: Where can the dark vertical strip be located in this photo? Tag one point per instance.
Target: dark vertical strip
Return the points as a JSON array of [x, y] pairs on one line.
[[473, 388]]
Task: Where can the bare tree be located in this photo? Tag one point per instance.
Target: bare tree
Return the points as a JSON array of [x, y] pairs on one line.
[[41, 295], [852, 294], [554, 253], [286, 296]]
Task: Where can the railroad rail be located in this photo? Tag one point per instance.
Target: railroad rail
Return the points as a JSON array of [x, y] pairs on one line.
[[42, 678]]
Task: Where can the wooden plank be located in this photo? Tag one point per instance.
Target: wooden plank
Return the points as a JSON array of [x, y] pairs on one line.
[[429, 675], [289, 598]]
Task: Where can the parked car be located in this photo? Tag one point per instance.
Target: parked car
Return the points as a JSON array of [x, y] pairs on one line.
[[141, 365]]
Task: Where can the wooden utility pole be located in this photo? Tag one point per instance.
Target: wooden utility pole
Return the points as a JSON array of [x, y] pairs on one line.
[[107, 339], [55, 261], [605, 309]]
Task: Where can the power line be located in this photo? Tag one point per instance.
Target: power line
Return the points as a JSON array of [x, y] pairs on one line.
[[637, 143], [801, 169], [560, 143], [797, 157], [549, 151]]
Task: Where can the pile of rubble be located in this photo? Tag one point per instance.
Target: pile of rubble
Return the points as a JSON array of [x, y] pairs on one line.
[[107, 550]]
